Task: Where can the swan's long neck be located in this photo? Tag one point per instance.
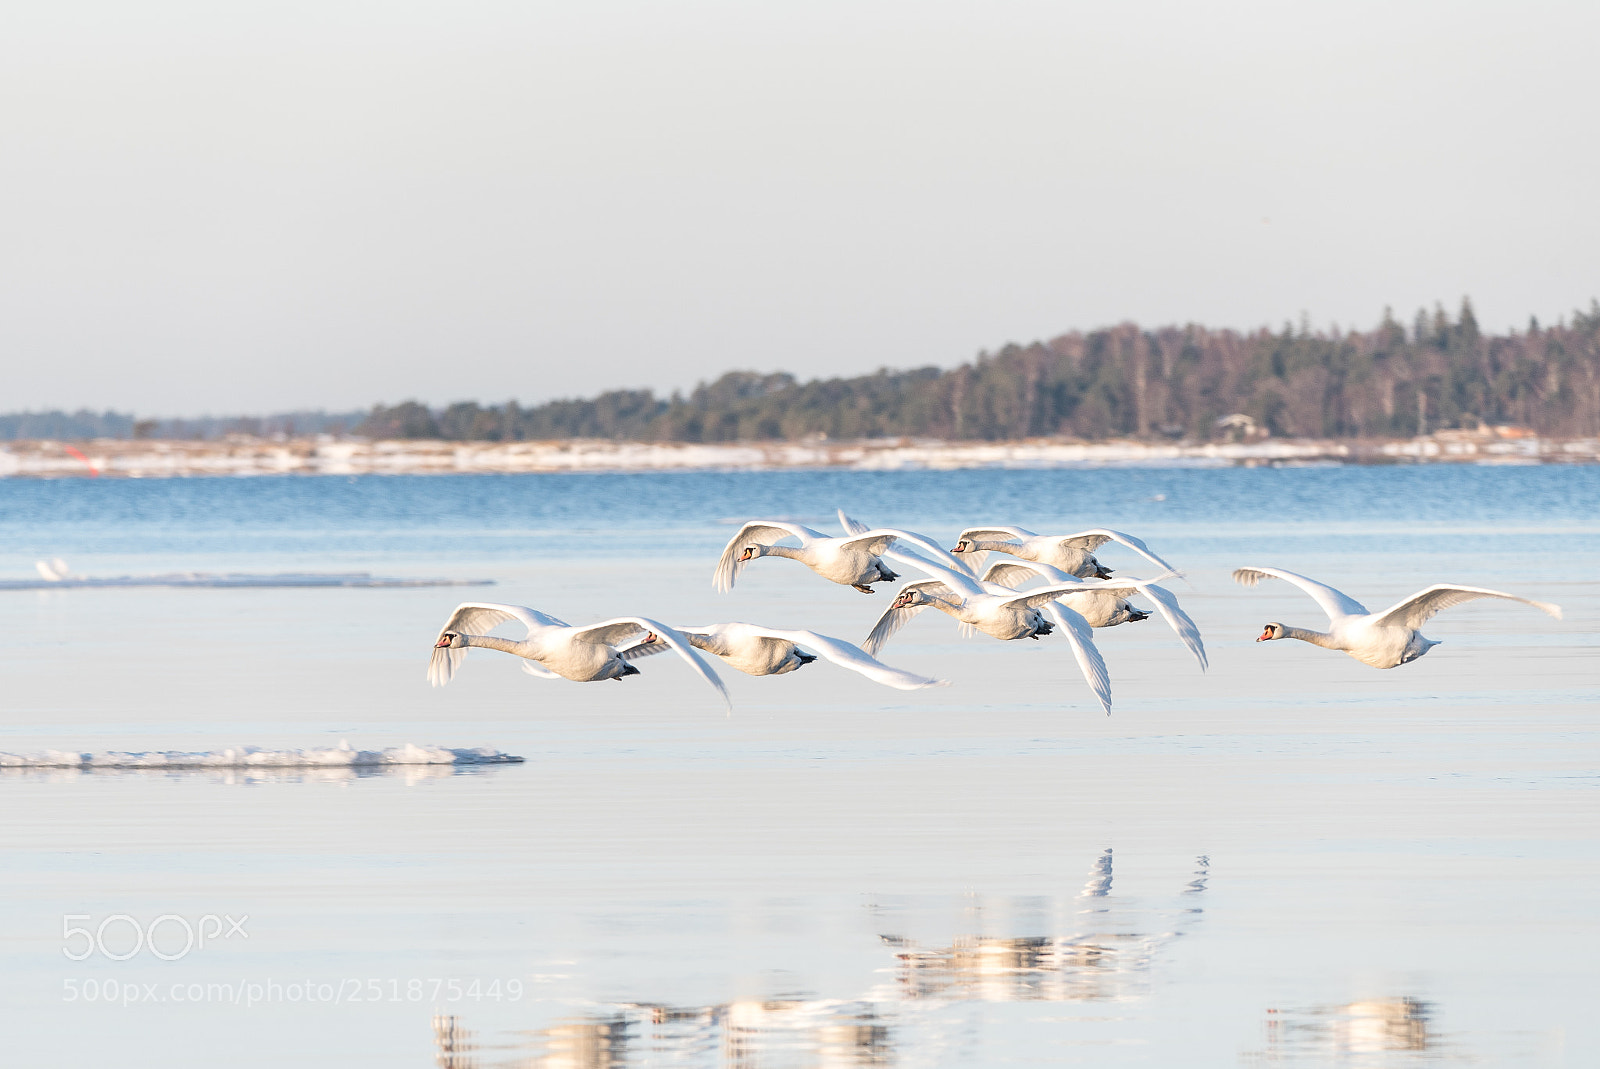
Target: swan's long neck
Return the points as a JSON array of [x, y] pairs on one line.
[[781, 551], [989, 545], [490, 642], [1316, 638]]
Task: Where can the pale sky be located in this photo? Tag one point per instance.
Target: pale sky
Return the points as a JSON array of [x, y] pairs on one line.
[[246, 207]]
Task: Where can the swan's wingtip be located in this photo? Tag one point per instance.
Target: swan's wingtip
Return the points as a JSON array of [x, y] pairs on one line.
[[1549, 609], [1247, 576]]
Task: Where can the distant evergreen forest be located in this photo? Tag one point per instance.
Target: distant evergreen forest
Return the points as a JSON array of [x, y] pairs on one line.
[[1121, 382]]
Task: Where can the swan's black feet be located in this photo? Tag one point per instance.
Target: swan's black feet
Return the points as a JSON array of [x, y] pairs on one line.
[[1135, 615], [805, 658], [864, 588], [1101, 571], [627, 670]]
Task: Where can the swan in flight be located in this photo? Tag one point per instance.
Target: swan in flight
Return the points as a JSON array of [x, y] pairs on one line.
[[854, 560], [767, 651], [1384, 640], [1073, 554], [999, 612], [1105, 604], [554, 649]]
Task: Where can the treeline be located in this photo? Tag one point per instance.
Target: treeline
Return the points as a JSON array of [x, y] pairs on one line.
[[1121, 382], [1437, 372], [85, 424]]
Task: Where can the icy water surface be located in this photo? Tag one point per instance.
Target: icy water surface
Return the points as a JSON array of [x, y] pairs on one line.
[[1290, 860]]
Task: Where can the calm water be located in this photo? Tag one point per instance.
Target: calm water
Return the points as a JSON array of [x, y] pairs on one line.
[[1290, 860]]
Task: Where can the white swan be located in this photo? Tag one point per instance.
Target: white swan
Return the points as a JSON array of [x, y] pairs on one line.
[[767, 651], [1073, 554], [1384, 640], [998, 612], [1105, 603], [553, 648], [855, 560]]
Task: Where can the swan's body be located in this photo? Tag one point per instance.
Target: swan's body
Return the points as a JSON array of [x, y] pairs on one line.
[[996, 611], [1105, 603], [766, 651], [552, 648], [1073, 554], [1386, 639]]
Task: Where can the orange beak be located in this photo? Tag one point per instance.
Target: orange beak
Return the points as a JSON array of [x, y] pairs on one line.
[[1264, 636], [443, 643]]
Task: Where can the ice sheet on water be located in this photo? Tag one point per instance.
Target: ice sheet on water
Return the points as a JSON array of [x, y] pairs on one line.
[[341, 756]]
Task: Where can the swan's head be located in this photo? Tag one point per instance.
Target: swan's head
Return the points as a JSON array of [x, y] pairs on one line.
[[963, 546], [451, 640], [909, 598], [750, 553], [1270, 632]]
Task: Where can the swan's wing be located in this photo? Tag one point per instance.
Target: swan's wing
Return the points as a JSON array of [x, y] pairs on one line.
[[611, 632], [995, 534], [1081, 637], [900, 552], [1013, 573], [1038, 599], [679, 642], [1094, 538], [478, 618], [1180, 622], [1421, 607], [894, 619], [1335, 603], [854, 658], [874, 542], [764, 532], [958, 579]]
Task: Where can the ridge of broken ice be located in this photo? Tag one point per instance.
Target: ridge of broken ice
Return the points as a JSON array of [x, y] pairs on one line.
[[341, 756]]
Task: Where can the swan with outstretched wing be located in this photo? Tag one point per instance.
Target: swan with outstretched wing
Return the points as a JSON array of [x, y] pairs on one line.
[[1386, 639], [1073, 554], [552, 648]]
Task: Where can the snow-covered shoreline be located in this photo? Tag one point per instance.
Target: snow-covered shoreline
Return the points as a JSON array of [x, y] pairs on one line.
[[328, 456]]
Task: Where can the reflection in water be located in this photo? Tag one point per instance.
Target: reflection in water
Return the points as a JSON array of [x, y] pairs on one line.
[[1099, 962], [1364, 1031], [1077, 967], [248, 777]]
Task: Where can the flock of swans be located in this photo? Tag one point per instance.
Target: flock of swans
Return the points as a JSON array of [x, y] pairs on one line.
[[1048, 583]]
